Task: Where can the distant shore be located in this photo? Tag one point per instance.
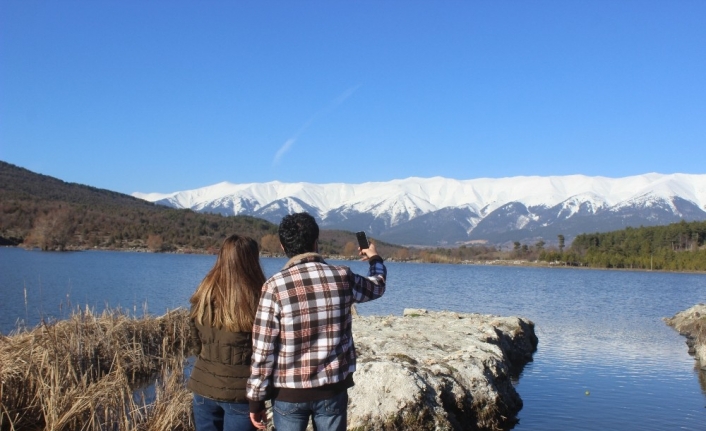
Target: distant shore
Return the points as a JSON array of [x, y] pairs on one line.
[[493, 262]]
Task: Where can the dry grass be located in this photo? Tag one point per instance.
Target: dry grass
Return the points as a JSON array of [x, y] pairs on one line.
[[81, 373]]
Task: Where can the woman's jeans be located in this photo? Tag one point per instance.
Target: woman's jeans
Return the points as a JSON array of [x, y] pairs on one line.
[[212, 415], [329, 415]]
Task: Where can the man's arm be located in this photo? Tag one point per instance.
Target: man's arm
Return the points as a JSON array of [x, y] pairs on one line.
[[265, 333], [373, 286]]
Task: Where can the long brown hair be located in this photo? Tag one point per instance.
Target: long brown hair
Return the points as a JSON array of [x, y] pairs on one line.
[[227, 297]]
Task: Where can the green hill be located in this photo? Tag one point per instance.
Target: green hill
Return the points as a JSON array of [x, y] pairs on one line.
[[41, 211]]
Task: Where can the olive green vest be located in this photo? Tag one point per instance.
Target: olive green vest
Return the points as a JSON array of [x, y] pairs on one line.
[[222, 367]]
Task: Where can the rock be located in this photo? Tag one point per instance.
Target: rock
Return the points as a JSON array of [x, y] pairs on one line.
[[438, 371], [414, 312], [692, 324]]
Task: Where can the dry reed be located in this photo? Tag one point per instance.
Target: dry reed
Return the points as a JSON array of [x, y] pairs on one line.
[[81, 374]]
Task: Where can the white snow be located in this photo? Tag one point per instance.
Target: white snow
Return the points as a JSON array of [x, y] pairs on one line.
[[404, 199]]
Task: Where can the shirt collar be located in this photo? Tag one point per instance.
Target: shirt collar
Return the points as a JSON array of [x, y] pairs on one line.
[[304, 258]]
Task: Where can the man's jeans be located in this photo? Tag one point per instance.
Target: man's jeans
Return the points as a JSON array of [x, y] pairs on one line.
[[212, 415], [329, 415]]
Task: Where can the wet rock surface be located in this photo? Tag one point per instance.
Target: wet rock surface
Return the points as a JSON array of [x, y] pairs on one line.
[[438, 371], [691, 323]]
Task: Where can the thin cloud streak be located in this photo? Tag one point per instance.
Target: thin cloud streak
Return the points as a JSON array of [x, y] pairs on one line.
[[283, 149], [333, 105]]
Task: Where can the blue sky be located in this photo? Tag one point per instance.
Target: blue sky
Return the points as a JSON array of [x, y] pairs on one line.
[[161, 96]]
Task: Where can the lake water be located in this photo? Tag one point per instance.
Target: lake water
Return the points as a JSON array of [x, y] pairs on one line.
[[605, 360]]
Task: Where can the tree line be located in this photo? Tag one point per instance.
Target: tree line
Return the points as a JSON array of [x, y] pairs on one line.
[[674, 247]]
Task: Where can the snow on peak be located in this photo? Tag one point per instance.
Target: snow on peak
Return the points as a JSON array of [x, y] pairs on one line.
[[408, 198]]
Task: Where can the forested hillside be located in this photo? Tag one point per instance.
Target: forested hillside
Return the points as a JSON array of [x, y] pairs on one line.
[[676, 247], [40, 211]]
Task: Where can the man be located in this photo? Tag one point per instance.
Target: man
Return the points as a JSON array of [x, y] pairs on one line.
[[303, 354]]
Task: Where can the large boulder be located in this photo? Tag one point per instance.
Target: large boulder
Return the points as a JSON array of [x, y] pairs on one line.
[[691, 323], [438, 371]]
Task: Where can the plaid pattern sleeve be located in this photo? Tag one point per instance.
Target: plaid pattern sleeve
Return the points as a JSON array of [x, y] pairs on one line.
[[373, 286], [302, 334], [265, 332]]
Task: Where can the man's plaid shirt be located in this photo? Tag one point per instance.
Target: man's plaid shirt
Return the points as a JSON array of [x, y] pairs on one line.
[[302, 335]]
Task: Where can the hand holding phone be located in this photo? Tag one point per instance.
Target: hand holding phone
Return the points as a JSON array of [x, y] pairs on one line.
[[362, 240]]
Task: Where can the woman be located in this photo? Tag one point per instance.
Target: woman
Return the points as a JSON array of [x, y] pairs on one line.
[[222, 313]]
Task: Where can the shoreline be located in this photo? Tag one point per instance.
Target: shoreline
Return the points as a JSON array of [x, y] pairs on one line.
[[517, 263], [691, 323]]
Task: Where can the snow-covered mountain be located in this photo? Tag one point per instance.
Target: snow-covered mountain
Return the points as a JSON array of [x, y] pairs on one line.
[[442, 211]]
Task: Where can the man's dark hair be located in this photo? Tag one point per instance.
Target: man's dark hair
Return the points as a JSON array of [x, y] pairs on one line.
[[298, 233]]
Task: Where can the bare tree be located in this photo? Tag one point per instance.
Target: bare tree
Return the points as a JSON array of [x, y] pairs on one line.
[[155, 242], [351, 249], [270, 244], [51, 231]]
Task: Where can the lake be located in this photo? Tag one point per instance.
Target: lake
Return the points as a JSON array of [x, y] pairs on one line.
[[605, 358]]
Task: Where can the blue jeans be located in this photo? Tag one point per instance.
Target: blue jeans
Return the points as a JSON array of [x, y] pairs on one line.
[[329, 415], [212, 415]]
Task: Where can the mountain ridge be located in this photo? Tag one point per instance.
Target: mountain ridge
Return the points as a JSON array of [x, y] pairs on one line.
[[486, 209]]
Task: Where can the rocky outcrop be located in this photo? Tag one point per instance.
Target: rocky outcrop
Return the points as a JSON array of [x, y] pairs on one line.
[[438, 371], [691, 323]]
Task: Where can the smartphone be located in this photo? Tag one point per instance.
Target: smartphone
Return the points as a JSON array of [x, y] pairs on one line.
[[362, 240]]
